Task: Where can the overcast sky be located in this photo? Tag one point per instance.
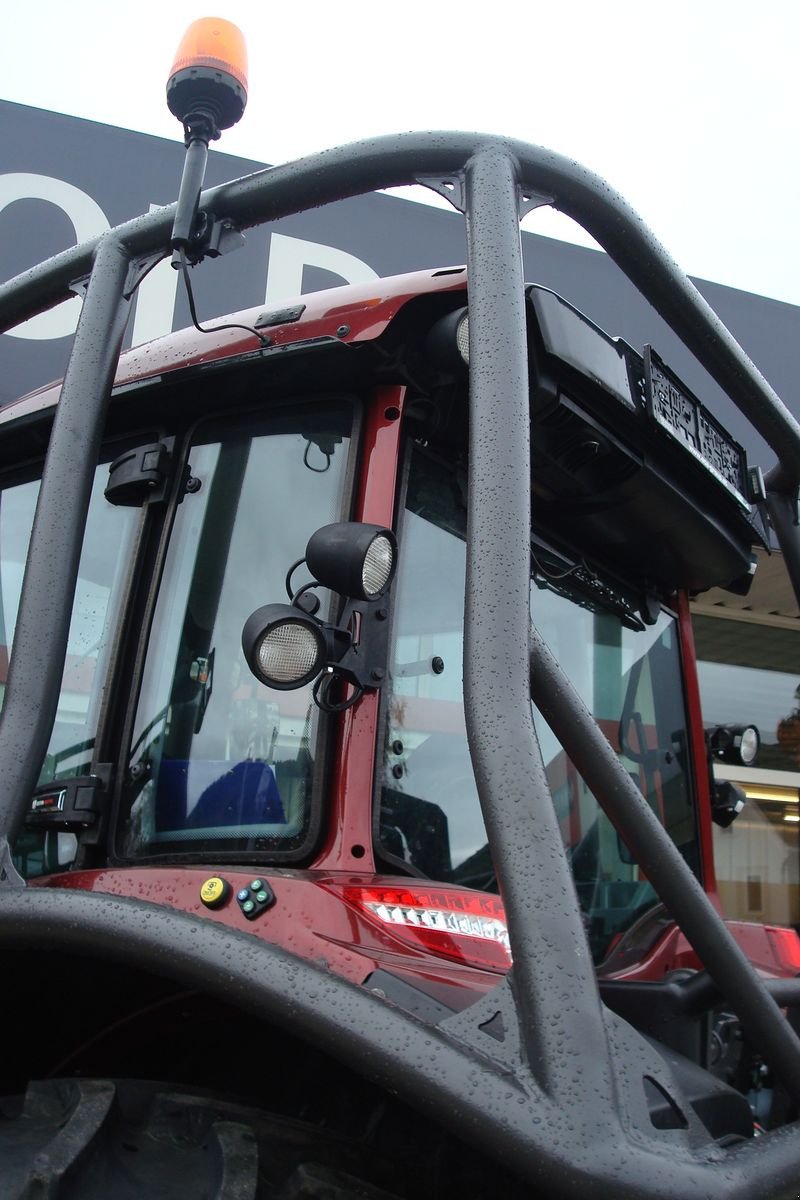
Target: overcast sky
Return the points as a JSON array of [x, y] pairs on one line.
[[690, 109]]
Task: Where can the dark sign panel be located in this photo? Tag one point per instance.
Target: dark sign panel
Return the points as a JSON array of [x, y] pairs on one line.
[[64, 180]]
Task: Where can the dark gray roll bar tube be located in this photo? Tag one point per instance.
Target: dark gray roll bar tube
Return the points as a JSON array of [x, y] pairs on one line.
[[405, 158], [51, 570], [474, 1095], [782, 502], [515, 798], [561, 1026]]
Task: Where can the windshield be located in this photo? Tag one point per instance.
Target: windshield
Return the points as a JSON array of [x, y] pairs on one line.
[[430, 817], [218, 761]]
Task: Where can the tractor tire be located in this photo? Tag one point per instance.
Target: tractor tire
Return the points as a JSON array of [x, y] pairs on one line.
[[91, 1139]]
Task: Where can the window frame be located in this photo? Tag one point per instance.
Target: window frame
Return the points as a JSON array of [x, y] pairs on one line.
[[284, 404], [385, 856], [111, 448]]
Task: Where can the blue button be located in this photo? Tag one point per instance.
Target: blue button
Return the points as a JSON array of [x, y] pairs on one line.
[[243, 894]]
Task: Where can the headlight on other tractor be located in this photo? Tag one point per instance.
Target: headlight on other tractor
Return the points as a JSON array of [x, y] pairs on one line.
[[737, 744]]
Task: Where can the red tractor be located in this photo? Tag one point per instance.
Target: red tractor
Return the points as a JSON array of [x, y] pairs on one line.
[[355, 805]]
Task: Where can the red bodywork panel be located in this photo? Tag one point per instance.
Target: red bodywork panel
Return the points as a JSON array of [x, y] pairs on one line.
[[773, 951], [353, 313], [312, 919], [309, 919], [698, 749], [348, 844]]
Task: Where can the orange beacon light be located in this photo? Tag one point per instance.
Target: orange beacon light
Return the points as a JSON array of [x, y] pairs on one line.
[[207, 92], [208, 79]]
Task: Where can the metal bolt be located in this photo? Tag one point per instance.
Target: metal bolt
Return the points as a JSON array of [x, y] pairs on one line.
[[437, 665], [377, 674], [342, 330], [193, 485]]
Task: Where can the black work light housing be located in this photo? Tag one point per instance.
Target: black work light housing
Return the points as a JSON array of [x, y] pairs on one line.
[[738, 744], [352, 558], [727, 801], [448, 340], [285, 648]]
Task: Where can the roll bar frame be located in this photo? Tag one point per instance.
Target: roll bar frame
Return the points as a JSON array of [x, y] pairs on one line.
[[564, 1061]]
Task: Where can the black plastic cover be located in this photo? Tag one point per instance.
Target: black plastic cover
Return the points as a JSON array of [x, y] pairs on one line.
[[655, 492]]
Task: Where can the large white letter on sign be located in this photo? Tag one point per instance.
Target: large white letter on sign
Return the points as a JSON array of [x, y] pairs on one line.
[[288, 256], [88, 220]]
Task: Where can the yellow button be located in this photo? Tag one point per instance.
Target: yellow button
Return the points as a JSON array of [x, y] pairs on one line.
[[215, 891]]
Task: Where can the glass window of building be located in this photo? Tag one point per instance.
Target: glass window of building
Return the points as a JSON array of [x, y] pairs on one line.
[[749, 672]]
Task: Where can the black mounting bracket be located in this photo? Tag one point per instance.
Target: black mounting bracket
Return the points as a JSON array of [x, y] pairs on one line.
[[67, 804], [9, 875], [212, 237], [452, 188], [140, 474], [363, 662]]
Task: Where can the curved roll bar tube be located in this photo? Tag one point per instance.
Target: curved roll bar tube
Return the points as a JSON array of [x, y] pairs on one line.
[[571, 1051]]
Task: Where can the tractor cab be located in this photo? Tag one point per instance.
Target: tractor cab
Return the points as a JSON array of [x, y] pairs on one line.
[[350, 728]]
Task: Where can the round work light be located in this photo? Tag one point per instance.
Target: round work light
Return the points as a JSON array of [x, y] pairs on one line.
[[462, 337], [353, 559], [749, 742], [737, 744], [376, 570], [284, 647], [448, 340]]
